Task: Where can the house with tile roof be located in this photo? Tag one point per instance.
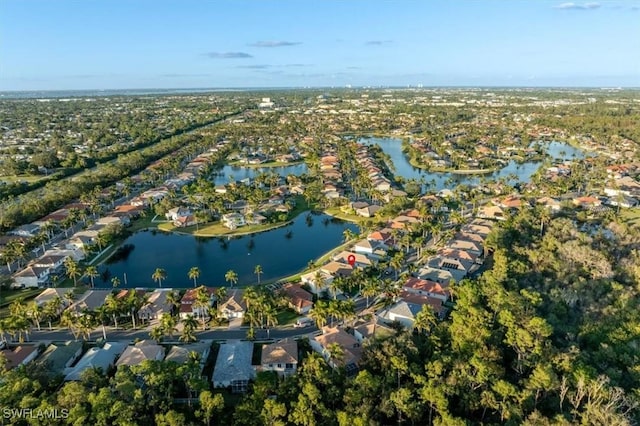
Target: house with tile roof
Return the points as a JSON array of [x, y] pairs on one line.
[[145, 350], [350, 347], [20, 355], [281, 357], [299, 299]]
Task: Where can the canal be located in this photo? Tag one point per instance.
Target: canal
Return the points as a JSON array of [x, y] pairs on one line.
[[440, 180]]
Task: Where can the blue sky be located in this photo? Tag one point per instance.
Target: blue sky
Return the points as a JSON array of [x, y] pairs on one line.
[[115, 44]]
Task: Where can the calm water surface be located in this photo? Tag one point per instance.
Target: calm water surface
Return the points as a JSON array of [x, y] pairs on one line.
[[524, 171], [280, 252], [230, 173]]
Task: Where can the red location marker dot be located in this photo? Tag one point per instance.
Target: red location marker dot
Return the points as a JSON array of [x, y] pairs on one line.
[[351, 259]]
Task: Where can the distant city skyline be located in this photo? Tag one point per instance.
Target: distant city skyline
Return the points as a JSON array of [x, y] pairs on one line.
[[117, 44]]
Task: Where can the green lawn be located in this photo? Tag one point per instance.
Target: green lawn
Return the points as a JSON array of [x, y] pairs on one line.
[[336, 212], [287, 316], [9, 296]]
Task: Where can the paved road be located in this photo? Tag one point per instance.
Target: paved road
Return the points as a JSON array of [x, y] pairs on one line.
[[130, 335], [280, 332]]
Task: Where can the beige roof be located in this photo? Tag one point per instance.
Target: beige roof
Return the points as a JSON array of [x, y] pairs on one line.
[[285, 352], [337, 268], [343, 257], [142, 351]]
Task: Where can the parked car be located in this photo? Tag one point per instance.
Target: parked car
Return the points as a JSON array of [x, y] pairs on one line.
[[303, 322]]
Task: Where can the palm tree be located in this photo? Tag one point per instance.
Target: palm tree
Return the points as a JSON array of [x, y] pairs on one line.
[[319, 313], [231, 277], [156, 333], [168, 324], [396, 262], [114, 307], [201, 303], [371, 288], [189, 325], [335, 353], [194, 274], [425, 319], [115, 282], [348, 235], [86, 323], [158, 275], [173, 300], [91, 272], [36, 312], [270, 318], [258, 272], [73, 269], [102, 315]]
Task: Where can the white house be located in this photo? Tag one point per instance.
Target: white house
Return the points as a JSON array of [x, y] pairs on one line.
[[233, 220]]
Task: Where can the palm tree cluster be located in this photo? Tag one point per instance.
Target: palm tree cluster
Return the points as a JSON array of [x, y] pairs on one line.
[[327, 311], [261, 309]]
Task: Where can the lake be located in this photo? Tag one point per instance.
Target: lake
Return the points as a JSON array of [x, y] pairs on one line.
[[229, 173], [441, 180], [281, 252]]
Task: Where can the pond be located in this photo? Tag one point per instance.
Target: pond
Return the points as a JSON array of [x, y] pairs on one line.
[[439, 180], [281, 252], [229, 173]]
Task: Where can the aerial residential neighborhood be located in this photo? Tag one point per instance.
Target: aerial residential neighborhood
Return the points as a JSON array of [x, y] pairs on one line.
[[319, 213]]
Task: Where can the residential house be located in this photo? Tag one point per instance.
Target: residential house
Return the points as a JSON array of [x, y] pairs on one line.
[[89, 301], [49, 294], [586, 202], [28, 230], [368, 211], [31, 276], [440, 276], [281, 357], [233, 366], [427, 288], [233, 220], [187, 307], [318, 281], [491, 212], [470, 246], [60, 356], [177, 212], [234, 306], [351, 348], [97, 357], [156, 305], [360, 260], [145, 350], [20, 355], [182, 354], [184, 221], [401, 311], [337, 269], [371, 329], [299, 299]]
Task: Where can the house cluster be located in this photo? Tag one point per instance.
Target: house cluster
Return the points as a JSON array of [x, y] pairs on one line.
[[241, 212], [255, 155], [379, 181], [460, 256], [333, 185], [69, 359]]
